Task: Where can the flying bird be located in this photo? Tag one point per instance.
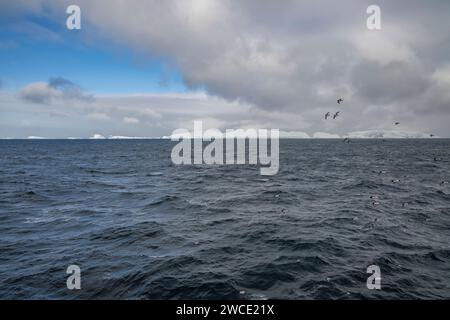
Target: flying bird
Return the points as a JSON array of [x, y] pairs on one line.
[[431, 135], [336, 115], [397, 123], [340, 100], [327, 115], [347, 140]]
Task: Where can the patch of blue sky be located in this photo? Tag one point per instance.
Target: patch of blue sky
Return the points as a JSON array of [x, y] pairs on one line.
[[37, 49]]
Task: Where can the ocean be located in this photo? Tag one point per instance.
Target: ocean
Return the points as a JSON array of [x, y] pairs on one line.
[[140, 227]]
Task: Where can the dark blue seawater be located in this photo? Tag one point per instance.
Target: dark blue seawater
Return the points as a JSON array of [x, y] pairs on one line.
[[140, 227]]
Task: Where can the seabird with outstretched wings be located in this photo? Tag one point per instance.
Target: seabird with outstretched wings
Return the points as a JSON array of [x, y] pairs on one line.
[[336, 115]]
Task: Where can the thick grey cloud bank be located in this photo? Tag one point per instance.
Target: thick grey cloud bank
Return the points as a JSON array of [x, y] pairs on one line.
[[288, 61]]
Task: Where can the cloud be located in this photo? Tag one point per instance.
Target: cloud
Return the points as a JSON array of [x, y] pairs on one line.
[[60, 82], [98, 116], [39, 92], [389, 134], [97, 136], [55, 89], [160, 114], [130, 120], [325, 135], [34, 31], [278, 66], [389, 83], [294, 135], [292, 59], [381, 48], [239, 50]]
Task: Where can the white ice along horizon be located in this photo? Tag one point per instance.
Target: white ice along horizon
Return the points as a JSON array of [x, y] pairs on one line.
[[258, 140]]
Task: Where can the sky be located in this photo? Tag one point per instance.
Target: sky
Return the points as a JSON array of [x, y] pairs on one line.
[[146, 68]]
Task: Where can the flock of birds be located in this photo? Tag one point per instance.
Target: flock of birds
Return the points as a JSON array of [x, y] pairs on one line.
[[337, 113], [374, 198], [328, 114]]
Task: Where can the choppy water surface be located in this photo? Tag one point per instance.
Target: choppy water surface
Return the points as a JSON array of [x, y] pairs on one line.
[[140, 227]]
